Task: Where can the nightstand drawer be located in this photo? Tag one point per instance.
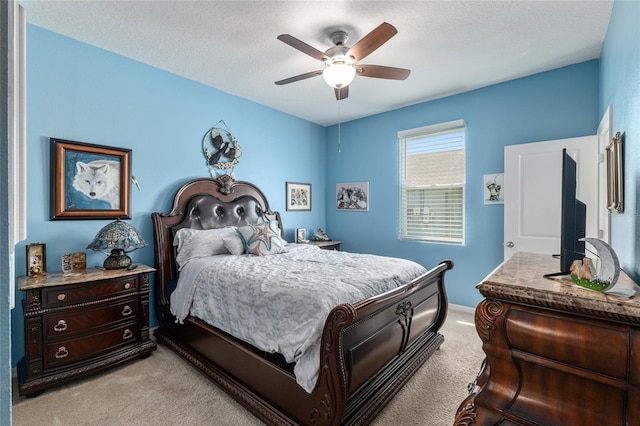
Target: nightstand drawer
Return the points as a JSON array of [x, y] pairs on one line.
[[69, 351], [68, 295], [75, 321]]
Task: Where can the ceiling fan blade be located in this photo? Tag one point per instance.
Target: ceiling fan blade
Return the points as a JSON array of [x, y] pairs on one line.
[[342, 93], [378, 71], [372, 41], [299, 77], [303, 47]]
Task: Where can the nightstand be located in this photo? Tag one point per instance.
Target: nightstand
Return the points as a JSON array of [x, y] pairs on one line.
[[81, 324], [327, 245]]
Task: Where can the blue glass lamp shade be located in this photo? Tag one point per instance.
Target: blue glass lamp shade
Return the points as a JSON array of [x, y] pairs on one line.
[[120, 238]]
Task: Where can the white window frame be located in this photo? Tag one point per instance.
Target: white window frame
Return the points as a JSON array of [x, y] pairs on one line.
[[420, 232]]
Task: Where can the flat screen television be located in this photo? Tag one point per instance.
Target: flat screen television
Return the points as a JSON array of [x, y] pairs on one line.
[[573, 218]]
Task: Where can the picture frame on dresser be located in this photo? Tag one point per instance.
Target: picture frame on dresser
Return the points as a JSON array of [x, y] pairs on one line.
[[36, 259], [89, 181], [301, 235]]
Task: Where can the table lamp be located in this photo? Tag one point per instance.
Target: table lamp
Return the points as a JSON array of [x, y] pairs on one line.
[[120, 238]]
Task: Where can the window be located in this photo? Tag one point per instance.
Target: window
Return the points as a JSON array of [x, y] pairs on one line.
[[432, 182]]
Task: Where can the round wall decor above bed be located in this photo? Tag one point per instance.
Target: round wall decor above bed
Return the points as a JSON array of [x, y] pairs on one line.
[[221, 149]]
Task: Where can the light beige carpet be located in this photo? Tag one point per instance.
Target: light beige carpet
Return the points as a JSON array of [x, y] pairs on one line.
[[164, 390]]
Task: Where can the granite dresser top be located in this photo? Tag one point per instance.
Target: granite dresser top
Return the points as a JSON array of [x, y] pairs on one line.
[[90, 274], [520, 280]]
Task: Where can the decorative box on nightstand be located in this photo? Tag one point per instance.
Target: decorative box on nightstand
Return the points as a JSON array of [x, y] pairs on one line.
[[327, 245], [81, 324]]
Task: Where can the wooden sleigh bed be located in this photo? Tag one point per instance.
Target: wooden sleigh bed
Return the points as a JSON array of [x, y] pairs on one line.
[[369, 349]]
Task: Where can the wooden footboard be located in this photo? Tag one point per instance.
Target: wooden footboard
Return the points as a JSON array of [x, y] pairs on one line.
[[380, 343], [369, 351]]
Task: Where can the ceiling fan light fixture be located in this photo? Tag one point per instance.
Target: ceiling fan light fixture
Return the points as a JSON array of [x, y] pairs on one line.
[[339, 75], [342, 63]]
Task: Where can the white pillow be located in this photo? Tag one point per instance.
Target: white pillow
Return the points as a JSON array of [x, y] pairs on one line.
[[194, 243], [234, 244]]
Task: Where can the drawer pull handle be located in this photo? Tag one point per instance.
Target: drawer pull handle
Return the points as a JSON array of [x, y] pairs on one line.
[[127, 334], [61, 296], [127, 286], [60, 326], [62, 352], [126, 311]]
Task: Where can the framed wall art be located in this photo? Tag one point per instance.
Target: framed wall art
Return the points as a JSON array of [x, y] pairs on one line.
[[36, 257], [298, 196], [352, 196], [89, 181], [615, 176], [493, 188]]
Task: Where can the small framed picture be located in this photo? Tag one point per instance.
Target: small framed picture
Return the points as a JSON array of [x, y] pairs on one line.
[[298, 196], [89, 181], [352, 196], [36, 260], [301, 235], [493, 188]]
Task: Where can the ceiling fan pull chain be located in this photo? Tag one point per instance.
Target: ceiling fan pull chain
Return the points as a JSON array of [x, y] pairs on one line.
[[339, 121]]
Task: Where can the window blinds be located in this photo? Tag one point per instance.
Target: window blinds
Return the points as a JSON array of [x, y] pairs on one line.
[[432, 183]]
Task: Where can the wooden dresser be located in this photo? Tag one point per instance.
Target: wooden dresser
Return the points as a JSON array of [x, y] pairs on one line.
[[81, 324], [556, 354]]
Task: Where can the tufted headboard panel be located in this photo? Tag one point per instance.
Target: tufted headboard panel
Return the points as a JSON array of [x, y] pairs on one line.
[[205, 204], [205, 211]]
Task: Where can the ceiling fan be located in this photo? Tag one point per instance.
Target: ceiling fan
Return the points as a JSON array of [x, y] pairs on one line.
[[341, 61]]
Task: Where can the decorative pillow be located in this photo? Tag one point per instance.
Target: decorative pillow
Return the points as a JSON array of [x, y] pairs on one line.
[[234, 244], [194, 243], [261, 240]]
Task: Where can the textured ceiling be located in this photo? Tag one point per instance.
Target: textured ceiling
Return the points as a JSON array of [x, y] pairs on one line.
[[449, 46]]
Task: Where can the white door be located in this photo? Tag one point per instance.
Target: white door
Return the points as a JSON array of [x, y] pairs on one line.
[[532, 176]]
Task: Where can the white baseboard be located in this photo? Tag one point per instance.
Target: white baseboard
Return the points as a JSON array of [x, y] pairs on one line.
[[462, 308]]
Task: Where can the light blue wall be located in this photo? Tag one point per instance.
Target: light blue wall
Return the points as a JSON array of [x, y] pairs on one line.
[[620, 87], [82, 93], [558, 104]]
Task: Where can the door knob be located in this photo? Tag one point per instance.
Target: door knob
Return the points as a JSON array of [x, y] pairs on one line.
[[510, 244]]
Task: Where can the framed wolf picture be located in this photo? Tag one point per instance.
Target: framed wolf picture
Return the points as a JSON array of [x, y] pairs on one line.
[[89, 181]]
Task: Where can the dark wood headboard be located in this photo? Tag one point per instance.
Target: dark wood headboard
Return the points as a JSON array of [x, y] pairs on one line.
[[205, 204]]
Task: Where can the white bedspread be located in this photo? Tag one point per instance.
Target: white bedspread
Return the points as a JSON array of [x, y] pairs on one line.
[[279, 303]]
